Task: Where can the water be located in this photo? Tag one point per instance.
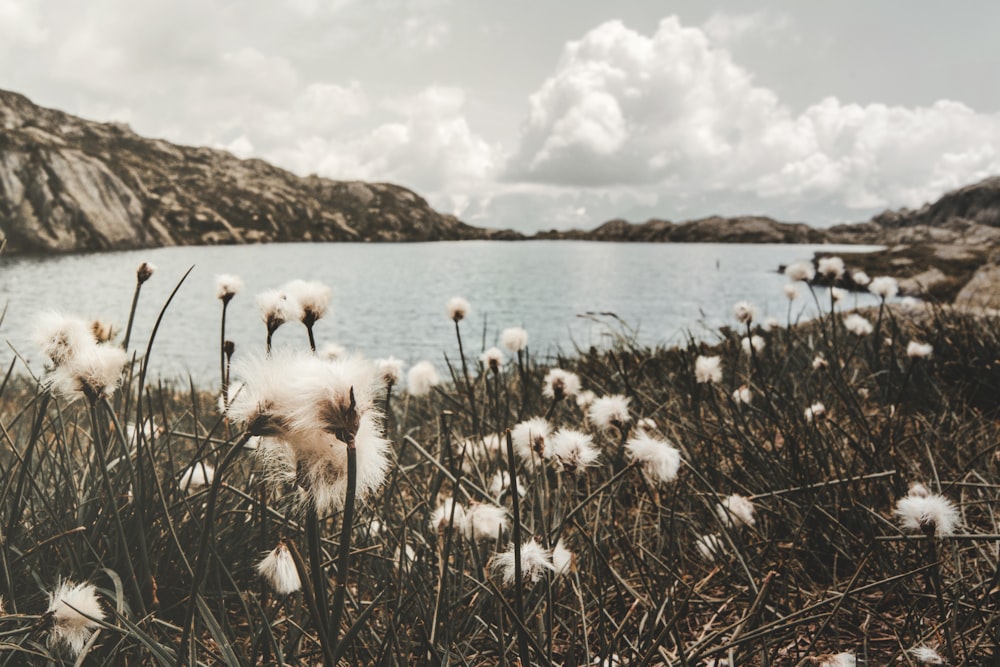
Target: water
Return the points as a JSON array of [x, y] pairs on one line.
[[390, 298]]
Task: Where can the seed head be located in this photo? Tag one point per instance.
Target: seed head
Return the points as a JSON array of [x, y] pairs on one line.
[[658, 458], [932, 514], [529, 439], [227, 286], [573, 451], [144, 272], [884, 287], [313, 299], [708, 369], [735, 510], [791, 291], [752, 344], [745, 312], [535, 560], [457, 308], [484, 521], [514, 339], [278, 568], [800, 271], [858, 325], [610, 411], [421, 378], [75, 610], [492, 359], [831, 267], [558, 384], [918, 350]]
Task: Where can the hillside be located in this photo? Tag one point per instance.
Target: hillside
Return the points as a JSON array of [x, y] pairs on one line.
[[68, 184]]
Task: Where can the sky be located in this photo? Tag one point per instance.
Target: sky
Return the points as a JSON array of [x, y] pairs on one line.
[[543, 114]]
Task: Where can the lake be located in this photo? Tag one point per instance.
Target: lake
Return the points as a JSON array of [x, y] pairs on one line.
[[390, 298]]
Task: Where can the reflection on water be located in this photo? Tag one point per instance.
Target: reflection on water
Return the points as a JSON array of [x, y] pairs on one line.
[[390, 298]]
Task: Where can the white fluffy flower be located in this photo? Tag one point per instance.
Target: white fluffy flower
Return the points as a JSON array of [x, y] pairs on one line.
[[791, 291], [562, 559], [278, 568], [500, 484], [484, 521], [819, 361], [585, 399], [75, 610], [860, 278], [610, 411], [745, 312], [734, 510], [535, 560], [559, 384], [457, 308], [816, 411], [710, 547], [421, 378], [918, 350], [448, 513], [313, 299], [227, 286], [514, 339], [772, 323], [753, 344], [708, 369], [742, 395], [925, 655], [529, 439], [659, 460], [573, 451], [332, 352], [197, 477], [838, 294], [831, 267], [492, 359], [885, 287], [60, 337], [839, 660], [858, 325], [276, 309], [93, 371], [932, 514], [391, 370], [800, 271], [144, 272]]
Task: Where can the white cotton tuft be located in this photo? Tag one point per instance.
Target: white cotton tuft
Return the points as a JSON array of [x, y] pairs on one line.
[[753, 344], [745, 312], [492, 359], [227, 286], [530, 439], [332, 352], [791, 291], [421, 378], [800, 271], [838, 660], [278, 569], [708, 369], [831, 267], [816, 411], [610, 411], [484, 521], [562, 559], [73, 606], [860, 278], [735, 510], [711, 547], [573, 451], [658, 458], [312, 298], [535, 560], [515, 339], [742, 395], [93, 371], [918, 350], [559, 384], [457, 308], [199, 476], [885, 287], [932, 514], [925, 655], [858, 325], [450, 513], [391, 370]]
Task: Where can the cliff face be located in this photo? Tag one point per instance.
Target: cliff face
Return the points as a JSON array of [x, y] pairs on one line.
[[67, 184], [745, 229]]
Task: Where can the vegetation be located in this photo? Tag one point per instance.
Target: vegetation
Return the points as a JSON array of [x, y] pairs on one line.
[[779, 541]]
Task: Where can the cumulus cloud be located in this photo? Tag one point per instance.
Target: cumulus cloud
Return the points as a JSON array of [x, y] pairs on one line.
[[727, 28], [674, 113]]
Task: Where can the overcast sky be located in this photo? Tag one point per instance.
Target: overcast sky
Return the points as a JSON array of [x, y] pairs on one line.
[[538, 115]]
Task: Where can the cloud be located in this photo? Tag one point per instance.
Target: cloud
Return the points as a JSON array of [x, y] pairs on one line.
[[725, 28], [21, 24], [674, 114]]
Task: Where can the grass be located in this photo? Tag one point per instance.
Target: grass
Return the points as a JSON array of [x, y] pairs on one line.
[[824, 569]]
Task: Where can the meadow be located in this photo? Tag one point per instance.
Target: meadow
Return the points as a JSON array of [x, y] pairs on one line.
[[816, 492]]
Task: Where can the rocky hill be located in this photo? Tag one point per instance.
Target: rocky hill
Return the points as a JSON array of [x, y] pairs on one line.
[[68, 184], [715, 229]]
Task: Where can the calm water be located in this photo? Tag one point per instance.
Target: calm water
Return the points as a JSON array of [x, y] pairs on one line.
[[390, 299]]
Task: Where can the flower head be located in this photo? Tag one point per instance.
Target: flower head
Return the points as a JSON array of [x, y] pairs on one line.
[[93, 371], [313, 299], [708, 369], [514, 339], [227, 286], [918, 350], [563, 559], [658, 458], [816, 411], [791, 291], [925, 655], [745, 312], [448, 514], [711, 547], [500, 484], [75, 610], [529, 439], [752, 344], [573, 451], [558, 384], [800, 271], [421, 378], [610, 411], [819, 361], [276, 309], [144, 272], [484, 521], [197, 477], [535, 560], [585, 399], [838, 660], [838, 294], [742, 395], [391, 370], [332, 352], [860, 278], [458, 308], [492, 359], [885, 287], [858, 325], [932, 514], [831, 267], [60, 337], [735, 510], [278, 568]]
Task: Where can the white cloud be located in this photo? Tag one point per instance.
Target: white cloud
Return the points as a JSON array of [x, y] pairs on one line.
[[727, 28], [21, 24], [674, 114]]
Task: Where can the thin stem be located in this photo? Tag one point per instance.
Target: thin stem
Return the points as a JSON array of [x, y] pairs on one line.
[[522, 638], [344, 553]]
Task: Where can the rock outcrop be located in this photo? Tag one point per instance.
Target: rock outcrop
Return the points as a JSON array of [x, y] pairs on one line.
[[715, 229], [67, 184]]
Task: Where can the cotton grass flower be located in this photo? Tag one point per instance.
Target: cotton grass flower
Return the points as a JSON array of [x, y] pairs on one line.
[[800, 271], [819, 362], [144, 272], [573, 451], [884, 287], [312, 299], [708, 369], [742, 395], [535, 560], [838, 294], [657, 458], [562, 559], [791, 291], [421, 378], [585, 399], [711, 547], [449, 513], [838, 660], [390, 369], [745, 312], [918, 350], [278, 569], [860, 278], [92, 371], [815, 412], [529, 440], [932, 514], [515, 339], [227, 286], [831, 267], [276, 309], [197, 477], [558, 384], [484, 521], [75, 611], [858, 325], [500, 484], [735, 510], [772, 323], [332, 352], [457, 308], [610, 411], [102, 331], [925, 655], [752, 344], [61, 337], [492, 359]]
